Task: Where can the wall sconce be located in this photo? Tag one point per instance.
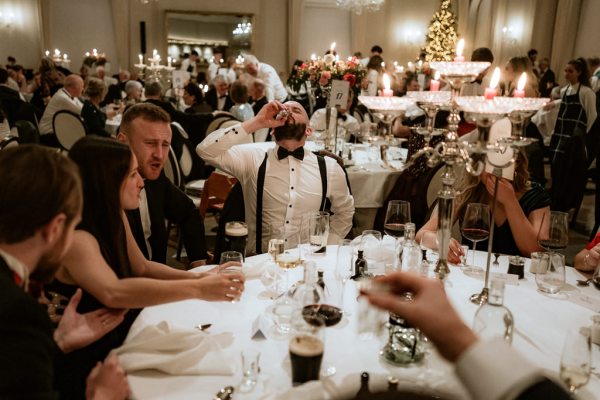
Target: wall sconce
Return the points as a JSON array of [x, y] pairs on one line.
[[413, 37], [509, 36], [7, 20]]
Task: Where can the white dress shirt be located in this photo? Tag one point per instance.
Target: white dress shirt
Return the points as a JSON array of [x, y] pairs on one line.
[[349, 126], [213, 68], [274, 87], [61, 100], [493, 370], [15, 265], [292, 187], [146, 222], [587, 98]]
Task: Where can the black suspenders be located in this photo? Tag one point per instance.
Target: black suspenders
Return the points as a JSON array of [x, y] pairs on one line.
[[260, 185]]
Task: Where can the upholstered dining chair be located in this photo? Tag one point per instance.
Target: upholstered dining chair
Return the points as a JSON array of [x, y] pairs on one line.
[[68, 128]]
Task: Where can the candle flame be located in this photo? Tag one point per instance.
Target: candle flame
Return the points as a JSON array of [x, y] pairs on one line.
[[332, 47], [495, 78], [522, 81], [437, 76], [460, 47], [386, 81], [313, 56]]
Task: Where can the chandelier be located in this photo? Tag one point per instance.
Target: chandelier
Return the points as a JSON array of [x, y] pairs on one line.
[[144, 2], [357, 6], [242, 30]]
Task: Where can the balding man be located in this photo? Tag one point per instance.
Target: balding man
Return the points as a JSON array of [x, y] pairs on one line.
[[274, 86], [292, 179], [66, 98]]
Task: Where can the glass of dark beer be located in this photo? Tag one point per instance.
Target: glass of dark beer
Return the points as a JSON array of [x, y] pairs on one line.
[[236, 237], [306, 352]]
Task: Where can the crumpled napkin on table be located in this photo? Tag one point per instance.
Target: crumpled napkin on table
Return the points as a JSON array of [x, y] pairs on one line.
[[175, 351]]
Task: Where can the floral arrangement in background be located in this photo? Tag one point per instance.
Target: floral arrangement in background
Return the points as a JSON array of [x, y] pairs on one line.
[[321, 71]]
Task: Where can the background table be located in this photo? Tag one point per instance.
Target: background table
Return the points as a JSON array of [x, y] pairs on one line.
[[541, 324]]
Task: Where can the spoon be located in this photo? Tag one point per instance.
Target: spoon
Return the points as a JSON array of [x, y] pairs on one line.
[[581, 282], [203, 327]]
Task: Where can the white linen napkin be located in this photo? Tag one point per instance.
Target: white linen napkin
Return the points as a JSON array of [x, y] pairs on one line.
[[175, 351]]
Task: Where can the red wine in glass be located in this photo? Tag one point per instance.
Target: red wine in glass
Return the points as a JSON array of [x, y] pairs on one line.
[[552, 244], [475, 234], [394, 229]]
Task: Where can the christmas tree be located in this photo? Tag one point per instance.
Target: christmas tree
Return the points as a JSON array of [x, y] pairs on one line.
[[441, 36]]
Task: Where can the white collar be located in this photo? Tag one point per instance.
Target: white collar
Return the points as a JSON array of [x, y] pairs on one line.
[[17, 267]]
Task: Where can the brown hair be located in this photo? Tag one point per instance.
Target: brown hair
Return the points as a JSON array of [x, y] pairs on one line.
[[28, 200], [472, 190], [95, 88], [239, 93], [145, 111]]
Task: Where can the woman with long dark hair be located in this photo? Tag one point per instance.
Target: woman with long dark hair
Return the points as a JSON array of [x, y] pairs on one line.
[[576, 117], [107, 264], [521, 206]]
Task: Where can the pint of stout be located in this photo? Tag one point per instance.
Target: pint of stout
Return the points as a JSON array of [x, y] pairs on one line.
[[236, 237], [306, 354]]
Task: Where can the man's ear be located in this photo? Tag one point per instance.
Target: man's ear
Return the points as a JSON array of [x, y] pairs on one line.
[[121, 137], [53, 230], [308, 131]]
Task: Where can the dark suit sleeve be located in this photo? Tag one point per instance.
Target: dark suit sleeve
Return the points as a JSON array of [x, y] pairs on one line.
[[181, 210], [543, 390], [26, 349]]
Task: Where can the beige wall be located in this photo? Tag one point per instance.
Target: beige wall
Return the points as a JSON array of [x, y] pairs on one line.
[[22, 39], [588, 34]]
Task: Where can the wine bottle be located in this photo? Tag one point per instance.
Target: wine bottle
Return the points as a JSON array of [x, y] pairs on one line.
[[360, 266], [320, 280]]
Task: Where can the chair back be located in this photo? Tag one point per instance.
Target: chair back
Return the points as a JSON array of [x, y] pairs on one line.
[[9, 141], [172, 170], [28, 132], [215, 192], [68, 128]]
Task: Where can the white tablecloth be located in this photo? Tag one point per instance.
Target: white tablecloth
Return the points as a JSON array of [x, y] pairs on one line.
[[541, 323]]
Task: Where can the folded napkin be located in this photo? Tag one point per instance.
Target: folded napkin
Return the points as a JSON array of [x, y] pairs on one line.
[[175, 351], [254, 269]]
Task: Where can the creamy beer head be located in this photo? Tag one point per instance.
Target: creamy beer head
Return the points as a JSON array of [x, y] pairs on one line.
[[236, 229], [306, 346]]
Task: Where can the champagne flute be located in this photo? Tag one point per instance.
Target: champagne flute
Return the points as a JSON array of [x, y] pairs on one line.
[[554, 231], [476, 227], [576, 359]]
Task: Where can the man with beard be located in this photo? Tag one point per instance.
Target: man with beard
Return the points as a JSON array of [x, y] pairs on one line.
[[284, 183], [37, 219]]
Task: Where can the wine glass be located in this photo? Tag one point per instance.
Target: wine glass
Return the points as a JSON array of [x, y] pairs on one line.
[[370, 244], [476, 227], [429, 245], [550, 277], [315, 227], [554, 231], [397, 214], [576, 359], [344, 267]]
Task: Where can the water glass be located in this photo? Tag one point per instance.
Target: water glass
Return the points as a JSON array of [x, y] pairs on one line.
[[536, 258], [576, 359], [316, 231], [370, 244], [371, 319], [231, 256], [550, 277], [250, 370]]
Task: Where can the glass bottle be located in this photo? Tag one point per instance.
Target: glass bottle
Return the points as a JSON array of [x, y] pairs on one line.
[[363, 392], [308, 294], [411, 251], [320, 280], [493, 319], [360, 266]]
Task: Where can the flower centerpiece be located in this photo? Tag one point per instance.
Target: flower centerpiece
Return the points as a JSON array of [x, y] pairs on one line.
[[321, 71]]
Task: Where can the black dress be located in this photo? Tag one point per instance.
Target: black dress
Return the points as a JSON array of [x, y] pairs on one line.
[[94, 118], [504, 242], [71, 370]]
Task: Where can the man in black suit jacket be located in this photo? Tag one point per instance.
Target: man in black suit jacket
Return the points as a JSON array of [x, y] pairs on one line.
[[34, 235], [547, 80], [11, 103], [218, 98], [146, 128]]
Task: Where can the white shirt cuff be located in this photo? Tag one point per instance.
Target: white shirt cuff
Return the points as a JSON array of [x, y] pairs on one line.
[[492, 370]]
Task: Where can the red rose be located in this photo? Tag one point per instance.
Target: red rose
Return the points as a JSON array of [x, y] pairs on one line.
[[350, 78]]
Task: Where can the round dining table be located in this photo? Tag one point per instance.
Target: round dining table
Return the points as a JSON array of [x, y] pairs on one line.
[[541, 324]]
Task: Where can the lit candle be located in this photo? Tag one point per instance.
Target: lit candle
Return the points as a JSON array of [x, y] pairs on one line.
[[313, 57], [155, 53], [434, 85], [491, 91], [47, 53], [387, 92], [95, 52], [65, 57], [332, 47], [420, 64], [337, 57], [459, 51], [168, 61], [520, 90], [141, 57], [57, 52], [411, 67]]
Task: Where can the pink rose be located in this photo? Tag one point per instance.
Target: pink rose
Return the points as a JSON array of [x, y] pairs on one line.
[[325, 77]]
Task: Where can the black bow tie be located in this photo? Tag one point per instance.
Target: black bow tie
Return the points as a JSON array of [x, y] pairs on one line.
[[283, 153]]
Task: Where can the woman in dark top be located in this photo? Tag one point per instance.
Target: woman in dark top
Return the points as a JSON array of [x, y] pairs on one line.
[[521, 206], [194, 98], [93, 116], [105, 261]]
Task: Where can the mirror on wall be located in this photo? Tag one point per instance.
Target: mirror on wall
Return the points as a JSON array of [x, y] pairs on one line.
[[230, 34]]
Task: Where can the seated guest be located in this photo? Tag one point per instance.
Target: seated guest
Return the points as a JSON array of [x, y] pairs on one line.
[[521, 206], [547, 80], [588, 259], [133, 92], [105, 261], [241, 110], [101, 74], [346, 122], [92, 114], [145, 127], [35, 232], [66, 98], [12, 104], [489, 369], [291, 176], [194, 99], [259, 95], [218, 97], [513, 70]]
